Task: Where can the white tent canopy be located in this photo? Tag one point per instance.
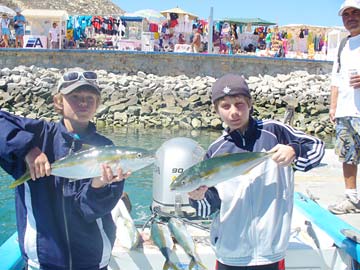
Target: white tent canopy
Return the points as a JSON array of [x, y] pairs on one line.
[[40, 20], [46, 14], [7, 10]]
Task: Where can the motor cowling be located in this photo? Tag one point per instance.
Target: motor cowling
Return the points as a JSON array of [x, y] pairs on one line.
[[171, 159]]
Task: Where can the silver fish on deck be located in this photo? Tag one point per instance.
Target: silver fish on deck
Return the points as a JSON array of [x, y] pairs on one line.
[[161, 236], [86, 164], [184, 239], [126, 232], [218, 169]]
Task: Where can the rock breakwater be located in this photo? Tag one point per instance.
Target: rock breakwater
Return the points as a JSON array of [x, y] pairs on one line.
[[146, 100]]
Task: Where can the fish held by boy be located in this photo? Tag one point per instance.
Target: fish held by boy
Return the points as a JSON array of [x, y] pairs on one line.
[[161, 235], [218, 169], [184, 239], [87, 164]]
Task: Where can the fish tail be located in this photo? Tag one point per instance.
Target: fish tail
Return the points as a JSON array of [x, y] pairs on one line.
[[170, 265], [196, 262], [26, 176]]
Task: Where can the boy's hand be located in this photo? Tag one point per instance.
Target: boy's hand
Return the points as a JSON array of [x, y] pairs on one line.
[[108, 177], [283, 155], [198, 194], [37, 163]]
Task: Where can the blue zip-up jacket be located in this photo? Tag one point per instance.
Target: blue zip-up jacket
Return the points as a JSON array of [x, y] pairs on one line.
[[61, 224], [255, 209]]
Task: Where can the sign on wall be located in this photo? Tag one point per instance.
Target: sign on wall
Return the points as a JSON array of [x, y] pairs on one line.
[[35, 42]]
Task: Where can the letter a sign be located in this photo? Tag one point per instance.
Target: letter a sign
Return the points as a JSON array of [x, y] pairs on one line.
[[34, 42]]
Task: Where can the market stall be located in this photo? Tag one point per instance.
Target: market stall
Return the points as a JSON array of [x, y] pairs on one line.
[[175, 34], [245, 29], [134, 27], [39, 22]]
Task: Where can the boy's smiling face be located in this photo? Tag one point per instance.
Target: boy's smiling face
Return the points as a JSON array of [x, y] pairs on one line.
[[235, 111], [80, 105]]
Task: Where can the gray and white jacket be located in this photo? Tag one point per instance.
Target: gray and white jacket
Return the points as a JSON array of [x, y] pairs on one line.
[[252, 226]]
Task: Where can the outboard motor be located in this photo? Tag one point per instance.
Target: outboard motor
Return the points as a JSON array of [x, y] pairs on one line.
[[171, 159]]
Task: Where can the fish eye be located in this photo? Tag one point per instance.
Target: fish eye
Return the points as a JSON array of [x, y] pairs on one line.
[[139, 155]]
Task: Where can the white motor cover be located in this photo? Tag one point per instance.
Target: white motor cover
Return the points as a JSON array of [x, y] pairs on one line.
[[171, 159]]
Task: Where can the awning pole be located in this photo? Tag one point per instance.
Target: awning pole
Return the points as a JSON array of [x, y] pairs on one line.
[[210, 36]]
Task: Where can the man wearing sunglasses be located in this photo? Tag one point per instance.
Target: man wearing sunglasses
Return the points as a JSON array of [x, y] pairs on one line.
[[61, 224]]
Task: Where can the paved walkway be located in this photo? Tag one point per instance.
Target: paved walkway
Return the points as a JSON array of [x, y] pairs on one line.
[[326, 183]]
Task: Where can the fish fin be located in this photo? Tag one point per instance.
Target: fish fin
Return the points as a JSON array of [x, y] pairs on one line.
[[25, 177]]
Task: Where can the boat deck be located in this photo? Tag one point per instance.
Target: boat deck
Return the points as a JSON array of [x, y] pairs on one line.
[[326, 184]]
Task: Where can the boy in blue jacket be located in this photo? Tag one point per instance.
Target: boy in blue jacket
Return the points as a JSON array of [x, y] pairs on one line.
[[252, 228], [61, 224]]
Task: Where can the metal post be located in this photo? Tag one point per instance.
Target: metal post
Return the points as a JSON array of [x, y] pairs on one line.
[[210, 36]]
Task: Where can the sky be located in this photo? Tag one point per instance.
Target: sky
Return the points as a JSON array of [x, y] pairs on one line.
[[282, 12]]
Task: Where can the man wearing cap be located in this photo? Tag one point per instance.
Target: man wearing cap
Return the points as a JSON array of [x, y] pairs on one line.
[[345, 107], [61, 224], [252, 228], [19, 26]]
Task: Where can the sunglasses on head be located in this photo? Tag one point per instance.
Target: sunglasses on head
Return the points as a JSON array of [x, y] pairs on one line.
[[77, 75]]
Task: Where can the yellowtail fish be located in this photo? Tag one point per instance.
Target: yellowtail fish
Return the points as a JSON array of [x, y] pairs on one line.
[[126, 232], [161, 236], [184, 239], [87, 164], [218, 169]]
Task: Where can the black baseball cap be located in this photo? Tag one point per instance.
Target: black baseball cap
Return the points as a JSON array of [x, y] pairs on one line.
[[229, 85]]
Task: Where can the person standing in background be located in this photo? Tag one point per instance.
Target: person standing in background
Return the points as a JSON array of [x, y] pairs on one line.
[[5, 21], [345, 107], [19, 26], [54, 36], [268, 39], [196, 43]]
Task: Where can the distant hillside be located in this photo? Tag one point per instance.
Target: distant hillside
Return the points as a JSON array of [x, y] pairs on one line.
[[83, 7]]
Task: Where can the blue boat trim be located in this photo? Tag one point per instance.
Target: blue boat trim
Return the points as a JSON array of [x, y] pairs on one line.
[[329, 223], [10, 255]]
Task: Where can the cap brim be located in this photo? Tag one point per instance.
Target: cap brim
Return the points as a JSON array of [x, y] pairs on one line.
[[346, 7], [83, 85]]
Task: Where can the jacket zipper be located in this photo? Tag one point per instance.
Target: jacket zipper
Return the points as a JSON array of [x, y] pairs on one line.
[[251, 208], [72, 148]]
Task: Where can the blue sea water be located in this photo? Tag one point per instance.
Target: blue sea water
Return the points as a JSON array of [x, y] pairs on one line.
[[138, 185]]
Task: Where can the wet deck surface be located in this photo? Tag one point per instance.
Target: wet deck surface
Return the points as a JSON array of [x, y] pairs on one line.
[[326, 183]]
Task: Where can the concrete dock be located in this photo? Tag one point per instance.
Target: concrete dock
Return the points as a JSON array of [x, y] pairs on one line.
[[326, 184]]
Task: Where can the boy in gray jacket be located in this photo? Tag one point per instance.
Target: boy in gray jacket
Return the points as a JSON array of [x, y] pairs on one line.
[[252, 228]]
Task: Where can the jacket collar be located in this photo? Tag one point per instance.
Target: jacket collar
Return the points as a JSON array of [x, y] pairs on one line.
[[70, 136], [250, 131]]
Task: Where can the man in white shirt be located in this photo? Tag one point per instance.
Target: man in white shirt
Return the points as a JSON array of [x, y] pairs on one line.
[[345, 107], [54, 36]]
